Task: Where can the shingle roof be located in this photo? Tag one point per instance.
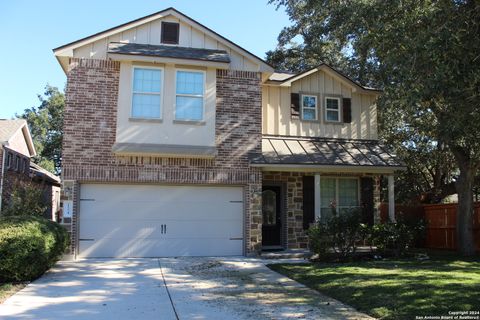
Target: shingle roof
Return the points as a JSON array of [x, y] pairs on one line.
[[169, 52], [281, 150], [9, 127]]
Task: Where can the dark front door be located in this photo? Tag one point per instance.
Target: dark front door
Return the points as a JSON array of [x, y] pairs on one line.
[[272, 216]]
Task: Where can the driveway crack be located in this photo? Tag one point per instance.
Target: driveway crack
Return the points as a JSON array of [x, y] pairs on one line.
[[168, 291]]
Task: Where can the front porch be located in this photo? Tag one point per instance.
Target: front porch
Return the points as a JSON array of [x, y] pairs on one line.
[[300, 187]]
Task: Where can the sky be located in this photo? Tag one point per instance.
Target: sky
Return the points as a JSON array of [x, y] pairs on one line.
[[30, 29]]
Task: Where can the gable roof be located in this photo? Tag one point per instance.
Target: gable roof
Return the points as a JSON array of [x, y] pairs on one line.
[[65, 49], [282, 79], [9, 128]]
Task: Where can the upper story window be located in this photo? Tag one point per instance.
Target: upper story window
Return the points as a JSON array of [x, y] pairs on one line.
[[332, 109], [309, 107], [190, 87], [170, 32], [147, 93]]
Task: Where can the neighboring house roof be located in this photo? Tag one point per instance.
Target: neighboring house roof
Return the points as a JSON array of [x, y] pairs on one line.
[[9, 129], [324, 152], [169, 52], [285, 80], [67, 48], [44, 175]]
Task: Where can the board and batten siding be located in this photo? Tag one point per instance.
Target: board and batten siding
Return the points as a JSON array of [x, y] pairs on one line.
[[150, 33], [277, 119]]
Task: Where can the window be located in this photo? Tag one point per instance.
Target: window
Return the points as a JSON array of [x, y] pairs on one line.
[[26, 167], [332, 109], [309, 107], [9, 162], [269, 207], [341, 193], [17, 163], [189, 95], [146, 96], [170, 32]]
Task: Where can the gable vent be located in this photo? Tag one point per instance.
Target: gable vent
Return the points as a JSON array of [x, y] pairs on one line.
[[170, 32]]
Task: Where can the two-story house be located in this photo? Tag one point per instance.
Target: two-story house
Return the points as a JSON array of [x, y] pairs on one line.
[[180, 142]]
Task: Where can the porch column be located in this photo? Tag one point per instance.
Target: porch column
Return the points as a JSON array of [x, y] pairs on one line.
[[317, 198], [391, 198], [376, 200]]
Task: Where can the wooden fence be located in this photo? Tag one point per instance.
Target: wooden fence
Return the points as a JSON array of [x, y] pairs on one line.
[[441, 225], [441, 222]]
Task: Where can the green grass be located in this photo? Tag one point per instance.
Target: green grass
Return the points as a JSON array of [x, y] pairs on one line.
[[8, 289], [395, 289]]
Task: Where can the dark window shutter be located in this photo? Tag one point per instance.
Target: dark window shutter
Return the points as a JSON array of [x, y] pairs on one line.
[[308, 201], [295, 105], [347, 110], [366, 194], [170, 31]]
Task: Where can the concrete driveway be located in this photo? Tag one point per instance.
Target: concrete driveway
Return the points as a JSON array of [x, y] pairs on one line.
[[169, 288]]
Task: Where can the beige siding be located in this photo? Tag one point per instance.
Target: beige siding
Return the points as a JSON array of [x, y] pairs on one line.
[[166, 132], [149, 33], [276, 110], [19, 144]]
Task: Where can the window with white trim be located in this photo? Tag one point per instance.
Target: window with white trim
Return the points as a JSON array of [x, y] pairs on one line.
[[340, 194], [147, 93], [332, 109], [189, 101], [309, 107]]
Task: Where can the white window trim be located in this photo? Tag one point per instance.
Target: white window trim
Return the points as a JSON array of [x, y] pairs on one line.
[[336, 110], [315, 109], [337, 191], [190, 95], [162, 84]]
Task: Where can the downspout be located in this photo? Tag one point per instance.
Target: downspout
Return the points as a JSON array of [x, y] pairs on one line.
[[1, 177]]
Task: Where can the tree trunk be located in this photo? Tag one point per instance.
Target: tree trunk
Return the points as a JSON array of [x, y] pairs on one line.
[[465, 241]]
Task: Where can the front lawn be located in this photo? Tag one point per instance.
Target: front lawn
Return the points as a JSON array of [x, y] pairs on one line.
[[8, 289], [395, 289]]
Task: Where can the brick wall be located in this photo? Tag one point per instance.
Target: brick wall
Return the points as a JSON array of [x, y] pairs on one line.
[[90, 126], [13, 177]]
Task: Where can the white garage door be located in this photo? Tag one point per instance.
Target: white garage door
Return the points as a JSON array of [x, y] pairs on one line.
[[160, 221]]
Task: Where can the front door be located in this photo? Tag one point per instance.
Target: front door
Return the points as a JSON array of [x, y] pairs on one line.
[[272, 216]]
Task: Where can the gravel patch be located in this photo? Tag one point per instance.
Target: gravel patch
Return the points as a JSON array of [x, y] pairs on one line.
[[242, 288]]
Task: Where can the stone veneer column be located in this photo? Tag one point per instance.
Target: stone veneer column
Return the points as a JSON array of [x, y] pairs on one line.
[[253, 232]]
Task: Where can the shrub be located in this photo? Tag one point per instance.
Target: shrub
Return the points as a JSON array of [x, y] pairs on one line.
[[26, 199], [396, 237], [29, 246], [337, 234]]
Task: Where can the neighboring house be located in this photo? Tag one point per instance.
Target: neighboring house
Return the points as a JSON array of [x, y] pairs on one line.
[[177, 142], [16, 150]]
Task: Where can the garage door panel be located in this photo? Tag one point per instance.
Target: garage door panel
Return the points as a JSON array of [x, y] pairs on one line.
[[135, 210], [126, 221], [98, 229], [148, 248], [162, 193]]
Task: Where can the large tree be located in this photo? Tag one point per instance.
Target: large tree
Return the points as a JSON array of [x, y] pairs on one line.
[[46, 127], [426, 56]]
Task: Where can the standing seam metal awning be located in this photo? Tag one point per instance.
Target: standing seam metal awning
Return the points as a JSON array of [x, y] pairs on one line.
[[283, 150]]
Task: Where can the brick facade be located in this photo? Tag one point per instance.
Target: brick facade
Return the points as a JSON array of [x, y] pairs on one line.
[[90, 127]]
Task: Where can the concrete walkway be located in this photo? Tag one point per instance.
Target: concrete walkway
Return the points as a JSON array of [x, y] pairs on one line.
[[197, 288]]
